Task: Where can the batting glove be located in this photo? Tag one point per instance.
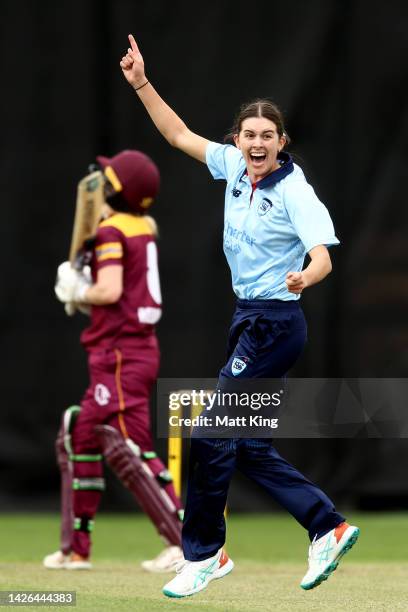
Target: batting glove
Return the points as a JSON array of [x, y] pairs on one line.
[[71, 285], [72, 307]]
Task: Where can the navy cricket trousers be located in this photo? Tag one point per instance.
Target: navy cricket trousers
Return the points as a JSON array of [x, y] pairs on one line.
[[265, 340]]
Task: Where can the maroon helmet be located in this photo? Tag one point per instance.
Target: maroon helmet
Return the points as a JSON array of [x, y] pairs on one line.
[[135, 176]]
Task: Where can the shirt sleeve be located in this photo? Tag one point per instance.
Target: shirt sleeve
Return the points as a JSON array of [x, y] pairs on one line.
[[309, 216], [108, 247], [222, 160]]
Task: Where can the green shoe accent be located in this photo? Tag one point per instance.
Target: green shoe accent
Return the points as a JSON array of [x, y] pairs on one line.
[[202, 574], [171, 594], [334, 564]]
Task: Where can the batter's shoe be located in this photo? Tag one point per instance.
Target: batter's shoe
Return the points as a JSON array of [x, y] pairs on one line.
[[56, 560], [326, 552], [194, 576], [78, 562], [165, 562]]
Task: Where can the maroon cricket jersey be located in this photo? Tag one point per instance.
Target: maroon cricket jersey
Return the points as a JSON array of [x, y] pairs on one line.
[[128, 241]]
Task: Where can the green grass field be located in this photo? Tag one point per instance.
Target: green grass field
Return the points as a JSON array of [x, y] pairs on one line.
[[269, 551]]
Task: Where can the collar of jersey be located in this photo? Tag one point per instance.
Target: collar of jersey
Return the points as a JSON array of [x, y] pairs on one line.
[[277, 175]]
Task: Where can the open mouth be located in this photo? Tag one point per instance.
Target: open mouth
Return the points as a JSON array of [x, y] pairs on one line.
[[257, 158]]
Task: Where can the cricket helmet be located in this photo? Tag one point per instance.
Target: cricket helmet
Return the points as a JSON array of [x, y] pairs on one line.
[[135, 176]]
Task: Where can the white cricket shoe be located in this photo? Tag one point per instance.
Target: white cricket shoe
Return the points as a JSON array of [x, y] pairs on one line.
[[194, 576], [326, 552], [73, 561], [166, 561], [56, 560], [76, 562]]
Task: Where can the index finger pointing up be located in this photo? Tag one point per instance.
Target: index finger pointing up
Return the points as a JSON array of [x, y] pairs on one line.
[[133, 44]]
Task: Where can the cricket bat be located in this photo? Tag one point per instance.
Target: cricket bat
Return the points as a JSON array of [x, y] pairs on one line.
[[89, 201]]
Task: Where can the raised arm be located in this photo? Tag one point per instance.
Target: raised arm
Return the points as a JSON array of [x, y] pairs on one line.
[[165, 119]]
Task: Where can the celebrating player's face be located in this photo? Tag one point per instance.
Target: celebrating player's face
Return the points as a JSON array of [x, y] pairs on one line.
[[260, 143]]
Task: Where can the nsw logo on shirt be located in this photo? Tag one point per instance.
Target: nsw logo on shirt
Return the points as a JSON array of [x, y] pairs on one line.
[[238, 365], [264, 207]]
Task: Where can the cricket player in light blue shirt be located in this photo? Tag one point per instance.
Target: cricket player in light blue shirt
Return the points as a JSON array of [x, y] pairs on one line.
[[272, 219], [269, 230]]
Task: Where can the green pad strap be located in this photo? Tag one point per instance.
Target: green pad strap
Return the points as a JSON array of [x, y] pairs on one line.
[[181, 514], [149, 455], [85, 458], [164, 477], [83, 524], [88, 484]]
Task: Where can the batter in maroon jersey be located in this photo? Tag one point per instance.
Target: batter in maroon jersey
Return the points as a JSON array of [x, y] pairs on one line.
[[123, 357]]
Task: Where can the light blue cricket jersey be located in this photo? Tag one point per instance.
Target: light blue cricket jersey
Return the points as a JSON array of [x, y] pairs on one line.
[[270, 236]]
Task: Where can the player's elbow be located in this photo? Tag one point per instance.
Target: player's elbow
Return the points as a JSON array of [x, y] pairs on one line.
[[328, 265], [113, 295], [109, 294], [321, 261], [178, 137], [324, 267], [174, 140]]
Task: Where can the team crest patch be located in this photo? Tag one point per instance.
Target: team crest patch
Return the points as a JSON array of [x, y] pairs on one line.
[[102, 394], [238, 365], [264, 207]]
